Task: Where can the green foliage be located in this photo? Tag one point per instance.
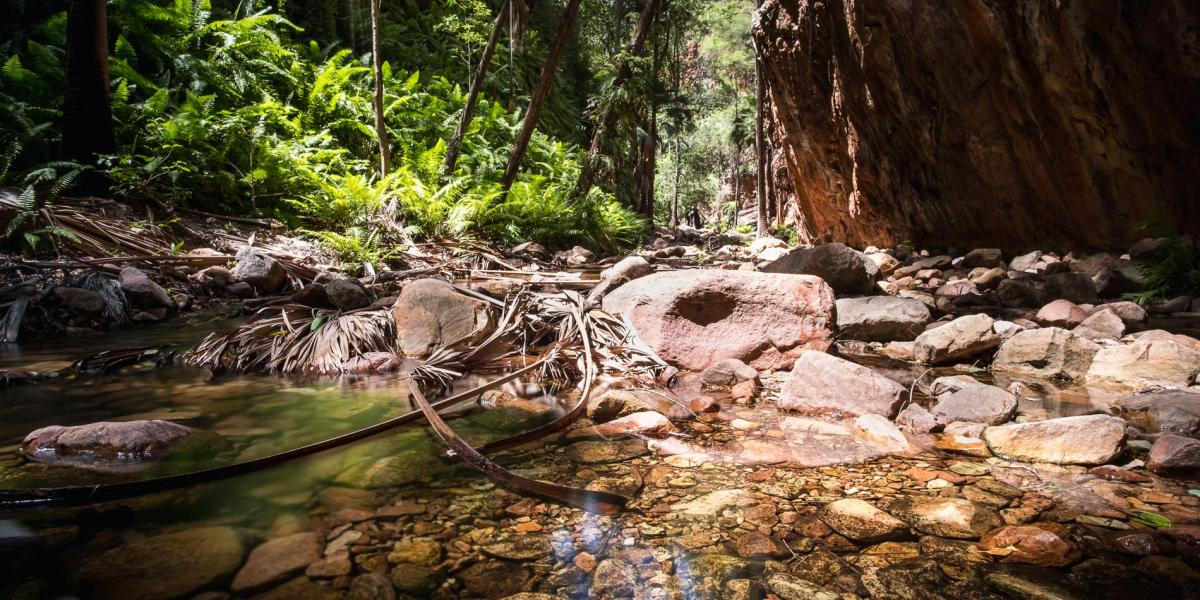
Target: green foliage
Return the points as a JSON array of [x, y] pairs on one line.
[[53, 178], [1174, 270]]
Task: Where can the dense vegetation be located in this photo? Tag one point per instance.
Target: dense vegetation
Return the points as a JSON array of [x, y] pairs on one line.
[[266, 109]]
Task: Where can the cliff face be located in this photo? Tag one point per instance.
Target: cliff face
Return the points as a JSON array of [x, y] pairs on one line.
[[986, 122]]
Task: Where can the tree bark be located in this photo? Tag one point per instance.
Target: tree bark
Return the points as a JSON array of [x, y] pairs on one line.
[[452, 148], [608, 117], [380, 126], [760, 143], [675, 192], [87, 107], [539, 95]]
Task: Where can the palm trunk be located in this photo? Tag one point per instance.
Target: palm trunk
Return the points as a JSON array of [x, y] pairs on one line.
[[608, 117], [675, 192], [539, 95], [455, 144], [380, 126], [760, 143], [87, 107]]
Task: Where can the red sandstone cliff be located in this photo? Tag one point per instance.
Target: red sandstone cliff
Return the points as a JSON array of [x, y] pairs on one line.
[[986, 122]]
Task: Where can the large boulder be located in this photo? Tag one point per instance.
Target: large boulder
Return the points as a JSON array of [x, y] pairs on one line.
[[1174, 455], [142, 292], [821, 383], [1161, 411], [128, 440], [179, 564], [1084, 440], [695, 318], [1018, 293], [262, 272], [1076, 287], [963, 337], [881, 318], [347, 294], [1147, 358], [845, 269], [1047, 353], [975, 402], [430, 313]]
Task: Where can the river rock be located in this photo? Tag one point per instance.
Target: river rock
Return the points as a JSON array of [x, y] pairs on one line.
[[1148, 358], [628, 269], [127, 440], [845, 269], [430, 313], [861, 521], [1076, 287], [1161, 411], [1084, 440], [263, 272], [142, 292], [277, 560], [727, 373], [645, 423], [789, 587], [976, 402], [614, 404], [881, 318], [1130, 313], [313, 295], [963, 337], [1060, 313], [605, 451], [759, 546], [983, 257], [823, 383], [1174, 455], [170, 565], [1018, 293], [1101, 325], [575, 256], [946, 517], [79, 299], [915, 418], [1042, 543], [764, 243], [614, 579], [1047, 353], [347, 294], [695, 318]]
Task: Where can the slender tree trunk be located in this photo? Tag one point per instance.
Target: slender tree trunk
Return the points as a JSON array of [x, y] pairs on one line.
[[608, 117], [380, 127], [539, 95], [87, 107], [675, 192], [760, 142], [737, 187], [455, 144]]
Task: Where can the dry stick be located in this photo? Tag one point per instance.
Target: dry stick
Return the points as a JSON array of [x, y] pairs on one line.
[[87, 494], [464, 121], [539, 95]]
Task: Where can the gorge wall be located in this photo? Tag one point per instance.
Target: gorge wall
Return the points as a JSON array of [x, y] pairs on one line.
[[1014, 123]]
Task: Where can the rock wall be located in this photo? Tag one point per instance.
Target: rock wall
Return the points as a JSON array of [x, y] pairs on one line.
[[1012, 123]]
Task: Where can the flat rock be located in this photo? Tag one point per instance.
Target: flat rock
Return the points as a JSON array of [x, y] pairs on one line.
[[961, 338], [127, 440], [1148, 358], [946, 517], [1084, 440], [645, 423], [170, 565], [712, 503], [1046, 353], [276, 561], [861, 521], [430, 313], [977, 402], [790, 587], [881, 318], [823, 383], [523, 548], [1161, 411], [694, 318], [759, 546], [605, 451]]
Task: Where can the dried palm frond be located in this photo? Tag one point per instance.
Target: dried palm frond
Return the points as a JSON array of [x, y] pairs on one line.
[[116, 306]]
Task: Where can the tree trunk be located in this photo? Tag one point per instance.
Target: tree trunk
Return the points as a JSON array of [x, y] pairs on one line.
[[760, 143], [737, 187], [539, 95], [455, 144], [608, 117], [377, 60], [87, 104], [675, 192]]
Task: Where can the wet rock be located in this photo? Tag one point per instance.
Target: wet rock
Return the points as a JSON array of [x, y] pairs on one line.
[[1084, 440], [946, 517], [170, 565], [417, 551], [727, 373], [820, 382], [523, 548], [983, 257], [1060, 313], [1161, 411], [1147, 358], [646, 423], [758, 546], [494, 579], [881, 318], [790, 587], [614, 579], [372, 362], [277, 560], [128, 440], [1101, 325], [242, 290], [371, 586], [263, 273], [79, 299], [1076, 287], [961, 338], [1017, 293], [975, 402], [1047, 353], [1043, 544], [1031, 585], [614, 404], [882, 434], [703, 576], [712, 503], [1174, 455], [142, 292], [695, 318], [846, 270], [1115, 473], [914, 418], [430, 313], [415, 580], [605, 451], [347, 294], [861, 521]]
